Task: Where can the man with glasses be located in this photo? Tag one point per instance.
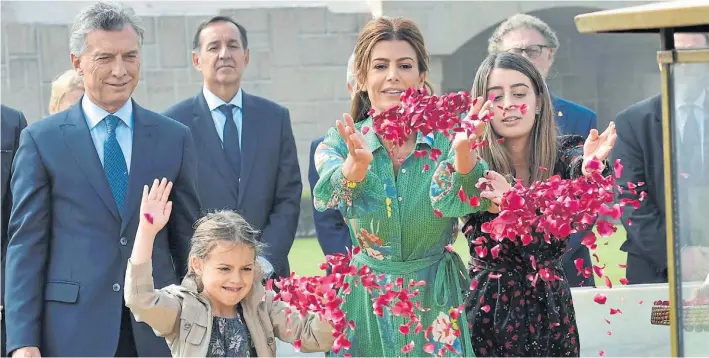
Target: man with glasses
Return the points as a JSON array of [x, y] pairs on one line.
[[532, 38]]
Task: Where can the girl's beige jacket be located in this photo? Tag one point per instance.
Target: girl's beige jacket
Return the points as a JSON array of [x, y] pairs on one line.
[[184, 317]]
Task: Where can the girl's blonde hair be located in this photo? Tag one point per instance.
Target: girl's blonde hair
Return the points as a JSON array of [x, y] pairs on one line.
[[63, 84], [221, 227]]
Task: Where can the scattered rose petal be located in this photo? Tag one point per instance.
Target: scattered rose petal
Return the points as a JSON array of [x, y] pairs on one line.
[[623, 281], [429, 348], [297, 344], [600, 298], [407, 348], [485, 308], [365, 130], [437, 213], [615, 311], [148, 217]]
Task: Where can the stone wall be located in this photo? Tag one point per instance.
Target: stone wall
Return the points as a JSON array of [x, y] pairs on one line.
[[299, 55], [298, 59]]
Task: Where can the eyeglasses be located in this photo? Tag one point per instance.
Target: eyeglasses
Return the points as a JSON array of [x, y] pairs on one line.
[[532, 51]]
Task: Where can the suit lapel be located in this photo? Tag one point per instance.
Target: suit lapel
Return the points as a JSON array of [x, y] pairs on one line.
[[251, 132], [204, 129], [78, 139], [145, 144]]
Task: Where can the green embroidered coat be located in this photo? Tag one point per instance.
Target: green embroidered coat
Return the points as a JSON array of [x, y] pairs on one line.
[[395, 221]]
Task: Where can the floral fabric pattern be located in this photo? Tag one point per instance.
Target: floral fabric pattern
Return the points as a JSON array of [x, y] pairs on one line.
[[402, 222], [230, 338], [511, 312]]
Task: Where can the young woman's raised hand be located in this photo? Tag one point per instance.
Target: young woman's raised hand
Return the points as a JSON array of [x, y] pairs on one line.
[[465, 156], [598, 146]]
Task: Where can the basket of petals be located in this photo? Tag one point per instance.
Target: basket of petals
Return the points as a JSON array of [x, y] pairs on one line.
[[695, 314]]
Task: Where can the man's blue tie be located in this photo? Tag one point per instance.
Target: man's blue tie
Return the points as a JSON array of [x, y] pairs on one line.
[[114, 163], [230, 142]]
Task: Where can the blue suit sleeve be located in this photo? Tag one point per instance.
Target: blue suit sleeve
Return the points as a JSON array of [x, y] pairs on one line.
[[27, 251]]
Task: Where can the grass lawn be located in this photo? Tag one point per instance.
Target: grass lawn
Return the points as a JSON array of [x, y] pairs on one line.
[[306, 255]]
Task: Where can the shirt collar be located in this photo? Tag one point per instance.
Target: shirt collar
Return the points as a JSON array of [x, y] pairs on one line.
[[697, 103], [213, 102], [95, 114]]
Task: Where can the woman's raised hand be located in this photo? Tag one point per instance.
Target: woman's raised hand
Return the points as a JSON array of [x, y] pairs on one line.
[[360, 156], [598, 146], [465, 156], [493, 186]]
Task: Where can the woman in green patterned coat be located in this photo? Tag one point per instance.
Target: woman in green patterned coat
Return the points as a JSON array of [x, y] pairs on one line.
[[401, 215]]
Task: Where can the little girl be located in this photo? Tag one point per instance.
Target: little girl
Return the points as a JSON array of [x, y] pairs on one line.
[[220, 309]]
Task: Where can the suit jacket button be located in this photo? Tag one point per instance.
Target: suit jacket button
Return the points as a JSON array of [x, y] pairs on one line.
[[116, 287], [124, 241], [187, 326], [270, 340]]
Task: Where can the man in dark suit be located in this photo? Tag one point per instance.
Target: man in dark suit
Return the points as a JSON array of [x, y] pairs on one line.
[[640, 150], [330, 227], [532, 38], [13, 122], [77, 181], [257, 173]]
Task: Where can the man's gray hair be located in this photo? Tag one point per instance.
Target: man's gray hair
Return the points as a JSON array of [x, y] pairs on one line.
[[102, 16], [521, 21], [350, 71]]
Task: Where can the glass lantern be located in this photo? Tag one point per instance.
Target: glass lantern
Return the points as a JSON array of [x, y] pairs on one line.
[[685, 140]]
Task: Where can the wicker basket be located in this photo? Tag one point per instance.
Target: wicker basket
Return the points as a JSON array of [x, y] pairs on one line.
[[695, 315]]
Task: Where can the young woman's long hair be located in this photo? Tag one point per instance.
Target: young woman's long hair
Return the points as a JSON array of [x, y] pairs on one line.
[[383, 29], [543, 137]]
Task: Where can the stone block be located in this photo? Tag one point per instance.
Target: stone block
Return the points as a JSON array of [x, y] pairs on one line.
[[305, 83], [259, 41], [172, 41], [17, 69], [312, 20], [193, 23], [284, 38], [187, 90], [150, 57], [329, 49], [343, 22], [3, 49], [259, 66], [579, 87], [253, 20], [160, 89], [3, 75], [21, 39], [54, 50], [327, 113], [302, 115], [140, 95], [260, 88], [149, 26], [45, 91], [24, 99]]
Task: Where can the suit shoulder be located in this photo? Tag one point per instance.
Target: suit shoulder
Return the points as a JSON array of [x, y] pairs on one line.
[[641, 111], [178, 110], [166, 123], [315, 143], [266, 103], [47, 124], [9, 113], [580, 110]]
